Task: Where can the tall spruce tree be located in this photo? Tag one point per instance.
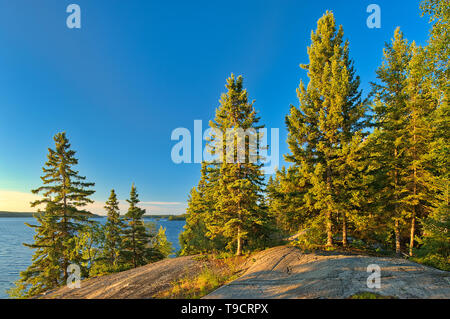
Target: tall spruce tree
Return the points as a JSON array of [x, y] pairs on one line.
[[64, 195], [286, 199], [436, 235], [161, 244], [420, 105], [327, 125], [194, 237], [438, 48], [113, 228], [137, 249], [392, 115], [239, 212]]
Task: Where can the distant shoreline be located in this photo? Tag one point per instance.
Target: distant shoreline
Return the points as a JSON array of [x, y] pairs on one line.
[[31, 214], [16, 214]]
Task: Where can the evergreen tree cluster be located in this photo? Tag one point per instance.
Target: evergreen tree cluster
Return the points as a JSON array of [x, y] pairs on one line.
[[66, 233], [369, 169], [227, 210], [372, 170], [375, 168]]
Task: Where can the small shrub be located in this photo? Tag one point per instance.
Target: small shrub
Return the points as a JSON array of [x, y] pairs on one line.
[[194, 288], [370, 295]]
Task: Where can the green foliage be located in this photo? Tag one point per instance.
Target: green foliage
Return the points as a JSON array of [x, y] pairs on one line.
[[113, 228], [313, 236], [370, 295], [193, 239], [227, 209], [137, 247], [110, 243], [376, 184], [56, 243], [199, 286], [327, 128], [435, 249], [438, 48], [381, 185], [286, 200], [391, 139], [87, 244], [238, 211], [162, 245]]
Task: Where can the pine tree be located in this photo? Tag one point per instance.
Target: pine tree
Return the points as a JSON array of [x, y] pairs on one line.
[[162, 245], [286, 195], [420, 106], [136, 239], [88, 243], [65, 193], [328, 124], [239, 213], [438, 48], [435, 241], [113, 229], [194, 238], [436, 234], [391, 115]]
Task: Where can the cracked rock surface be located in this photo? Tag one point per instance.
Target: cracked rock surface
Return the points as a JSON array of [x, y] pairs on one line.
[[139, 283], [279, 272], [286, 272]]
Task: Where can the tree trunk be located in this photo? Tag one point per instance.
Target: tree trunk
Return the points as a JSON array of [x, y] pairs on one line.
[[396, 222], [329, 230], [344, 230], [413, 218], [413, 225], [239, 239], [239, 242], [329, 222], [134, 250], [397, 238], [65, 234]]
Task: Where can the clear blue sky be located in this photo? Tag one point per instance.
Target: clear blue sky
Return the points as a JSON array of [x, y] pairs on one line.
[[136, 70]]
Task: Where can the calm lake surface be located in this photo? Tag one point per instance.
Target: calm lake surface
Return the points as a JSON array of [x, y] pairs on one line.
[[14, 257]]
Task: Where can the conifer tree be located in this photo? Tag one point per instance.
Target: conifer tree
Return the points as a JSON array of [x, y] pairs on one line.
[[136, 240], [162, 245], [438, 48], [435, 248], [420, 106], [239, 212], [113, 229], [391, 113], [194, 238], [88, 243], [64, 195], [286, 197], [328, 124]]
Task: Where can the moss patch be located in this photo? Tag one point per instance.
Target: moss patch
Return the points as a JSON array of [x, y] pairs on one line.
[[370, 295]]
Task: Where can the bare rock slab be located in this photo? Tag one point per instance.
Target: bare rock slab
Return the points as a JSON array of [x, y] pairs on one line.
[[286, 272]]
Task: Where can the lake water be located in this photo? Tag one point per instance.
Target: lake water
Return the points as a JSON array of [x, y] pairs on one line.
[[14, 257]]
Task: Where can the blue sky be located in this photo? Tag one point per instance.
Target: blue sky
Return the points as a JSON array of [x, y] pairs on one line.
[[136, 70]]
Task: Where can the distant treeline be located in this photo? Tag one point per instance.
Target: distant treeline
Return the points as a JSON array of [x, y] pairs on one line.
[[169, 217], [28, 214], [15, 214], [31, 214]]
